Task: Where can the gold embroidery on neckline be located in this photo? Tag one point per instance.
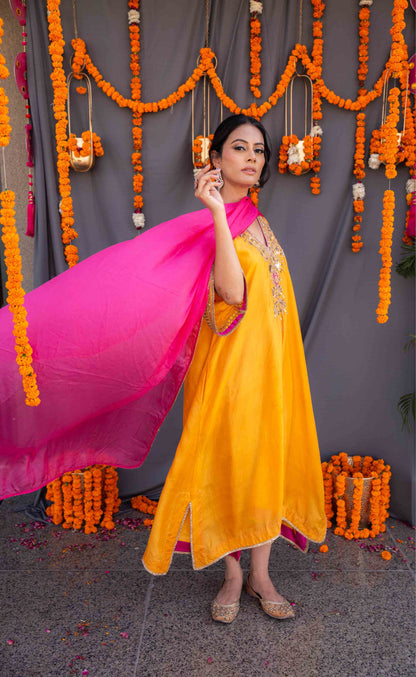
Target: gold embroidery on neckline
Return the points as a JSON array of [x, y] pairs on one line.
[[274, 255]]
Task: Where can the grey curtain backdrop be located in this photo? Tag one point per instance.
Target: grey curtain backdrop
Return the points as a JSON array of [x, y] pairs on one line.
[[357, 368]]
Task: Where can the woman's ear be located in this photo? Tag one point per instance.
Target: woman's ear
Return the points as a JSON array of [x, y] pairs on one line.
[[214, 158]]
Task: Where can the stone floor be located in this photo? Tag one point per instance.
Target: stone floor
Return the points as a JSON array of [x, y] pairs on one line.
[[83, 605]]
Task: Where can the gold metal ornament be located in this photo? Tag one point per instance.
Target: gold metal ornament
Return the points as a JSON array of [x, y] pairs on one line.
[[81, 164]]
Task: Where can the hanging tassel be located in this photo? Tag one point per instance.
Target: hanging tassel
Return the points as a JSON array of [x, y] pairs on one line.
[[31, 209]]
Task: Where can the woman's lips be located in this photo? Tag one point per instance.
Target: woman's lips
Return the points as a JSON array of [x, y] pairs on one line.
[[249, 171]]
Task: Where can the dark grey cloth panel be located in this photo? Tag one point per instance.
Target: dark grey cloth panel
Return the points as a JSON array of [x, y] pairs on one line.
[[357, 368]]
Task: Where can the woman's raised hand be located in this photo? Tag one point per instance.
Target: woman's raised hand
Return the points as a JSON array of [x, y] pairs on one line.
[[205, 188]]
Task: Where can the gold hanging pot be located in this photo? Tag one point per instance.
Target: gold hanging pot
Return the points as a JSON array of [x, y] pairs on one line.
[[78, 162], [301, 158]]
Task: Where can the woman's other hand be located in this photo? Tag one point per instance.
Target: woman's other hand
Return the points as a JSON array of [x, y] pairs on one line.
[[206, 182]]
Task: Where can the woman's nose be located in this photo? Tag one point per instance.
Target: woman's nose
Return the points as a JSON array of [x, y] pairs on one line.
[[251, 154]]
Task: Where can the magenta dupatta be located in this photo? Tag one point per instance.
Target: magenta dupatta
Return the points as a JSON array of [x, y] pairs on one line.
[[113, 339]]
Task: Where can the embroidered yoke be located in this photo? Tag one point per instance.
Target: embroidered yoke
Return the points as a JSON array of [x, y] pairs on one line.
[[247, 468]]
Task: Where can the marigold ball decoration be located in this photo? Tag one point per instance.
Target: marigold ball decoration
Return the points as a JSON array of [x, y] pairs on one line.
[[350, 508], [15, 297], [386, 555], [323, 548], [80, 498], [81, 146], [386, 242]]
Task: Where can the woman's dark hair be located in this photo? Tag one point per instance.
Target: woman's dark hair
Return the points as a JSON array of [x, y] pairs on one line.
[[228, 125]]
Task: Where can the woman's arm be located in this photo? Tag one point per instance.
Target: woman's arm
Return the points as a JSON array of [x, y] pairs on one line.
[[228, 274]]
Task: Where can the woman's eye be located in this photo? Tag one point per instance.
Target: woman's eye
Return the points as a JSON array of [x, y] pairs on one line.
[[260, 150], [239, 148]]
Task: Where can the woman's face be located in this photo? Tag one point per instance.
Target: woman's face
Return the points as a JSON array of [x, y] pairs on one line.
[[242, 158]]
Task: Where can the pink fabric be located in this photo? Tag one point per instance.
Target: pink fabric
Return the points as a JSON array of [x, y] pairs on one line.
[[112, 338], [411, 222], [185, 546], [30, 231]]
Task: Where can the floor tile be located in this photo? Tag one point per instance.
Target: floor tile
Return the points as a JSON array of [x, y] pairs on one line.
[[342, 621], [60, 623]]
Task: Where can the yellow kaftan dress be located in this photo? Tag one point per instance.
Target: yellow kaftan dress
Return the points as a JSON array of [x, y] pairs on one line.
[[248, 461]]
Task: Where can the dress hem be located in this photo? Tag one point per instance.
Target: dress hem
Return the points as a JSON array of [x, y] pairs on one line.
[[244, 547]]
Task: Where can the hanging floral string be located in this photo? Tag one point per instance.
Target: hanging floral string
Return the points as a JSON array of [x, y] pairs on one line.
[[136, 95], [15, 297], [13, 259], [358, 189], [317, 60], [256, 8], [60, 94], [385, 251], [5, 127]]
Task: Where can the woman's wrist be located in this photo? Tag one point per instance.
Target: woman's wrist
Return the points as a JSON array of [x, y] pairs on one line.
[[218, 212]]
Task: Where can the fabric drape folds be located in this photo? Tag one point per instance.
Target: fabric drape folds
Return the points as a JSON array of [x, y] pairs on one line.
[[112, 340]]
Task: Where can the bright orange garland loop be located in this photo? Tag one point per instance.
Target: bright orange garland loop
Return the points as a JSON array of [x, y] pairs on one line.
[[335, 473], [13, 260], [83, 498]]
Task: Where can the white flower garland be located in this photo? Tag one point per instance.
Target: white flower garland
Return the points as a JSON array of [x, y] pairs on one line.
[[295, 153], [256, 7], [316, 131], [138, 220], [374, 161], [411, 186], [358, 191], [134, 16]]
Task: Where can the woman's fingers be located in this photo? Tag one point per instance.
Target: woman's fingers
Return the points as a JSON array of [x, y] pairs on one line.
[[205, 178]]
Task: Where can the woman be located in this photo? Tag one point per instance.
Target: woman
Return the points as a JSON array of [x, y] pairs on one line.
[[247, 468], [113, 339]]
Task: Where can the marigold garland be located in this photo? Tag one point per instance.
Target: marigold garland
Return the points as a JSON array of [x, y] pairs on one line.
[[15, 297], [80, 498], [5, 127], [359, 155], [136, 95], [60, 94], [335, 473], [145, 505], [255, 48], [386, 242], [4, 71], [396, 65]]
